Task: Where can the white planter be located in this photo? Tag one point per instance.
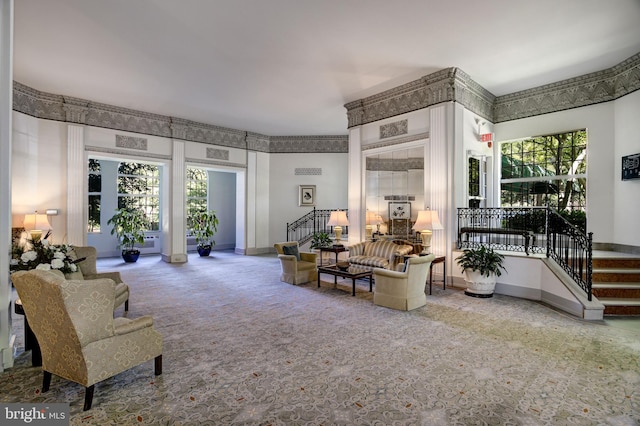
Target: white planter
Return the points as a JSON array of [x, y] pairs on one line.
[[479, 285]]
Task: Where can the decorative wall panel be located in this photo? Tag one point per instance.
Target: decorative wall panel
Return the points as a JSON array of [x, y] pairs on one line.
[[308, 171], [131, 142], [396, 128], [218, 154]]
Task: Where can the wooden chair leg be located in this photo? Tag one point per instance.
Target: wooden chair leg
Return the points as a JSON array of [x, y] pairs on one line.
[[126, 305], [158, 365], [88, 397], [46, 381]]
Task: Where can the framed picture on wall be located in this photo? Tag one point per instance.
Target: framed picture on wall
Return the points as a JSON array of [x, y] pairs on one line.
[[399, 210], [307, 195]]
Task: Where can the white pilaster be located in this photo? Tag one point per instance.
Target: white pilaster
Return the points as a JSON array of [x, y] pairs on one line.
[[6, 101], [440, 188], [174, 221], [356, 181], [76, 186]]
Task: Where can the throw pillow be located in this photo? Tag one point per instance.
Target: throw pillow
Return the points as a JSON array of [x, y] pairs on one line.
[[291, 250]]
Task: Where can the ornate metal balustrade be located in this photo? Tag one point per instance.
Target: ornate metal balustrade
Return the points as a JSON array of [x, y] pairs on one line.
[[520, 229], [530, 230], [572, 249], [302, 229]]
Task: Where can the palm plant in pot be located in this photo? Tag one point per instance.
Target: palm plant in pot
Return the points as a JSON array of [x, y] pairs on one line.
[[203, 227], [129, 226], [481, 267]]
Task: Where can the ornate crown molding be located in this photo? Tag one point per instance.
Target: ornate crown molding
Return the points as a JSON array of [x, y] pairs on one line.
[[309, 144], [81, 111], [453, 84], [449, 84], [588, 89]]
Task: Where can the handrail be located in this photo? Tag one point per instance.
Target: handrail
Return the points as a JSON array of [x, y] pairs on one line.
[[572, 249], [525, 229], [302, 229]]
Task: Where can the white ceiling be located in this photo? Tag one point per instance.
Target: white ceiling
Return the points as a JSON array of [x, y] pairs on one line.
[[287, 67]]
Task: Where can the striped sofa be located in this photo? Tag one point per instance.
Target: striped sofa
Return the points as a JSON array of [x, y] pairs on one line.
[[377, 254]]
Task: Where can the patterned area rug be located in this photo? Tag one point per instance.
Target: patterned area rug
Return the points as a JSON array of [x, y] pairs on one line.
[[243, 348]]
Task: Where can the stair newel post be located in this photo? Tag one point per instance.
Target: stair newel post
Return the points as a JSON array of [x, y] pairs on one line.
[[589, 264]]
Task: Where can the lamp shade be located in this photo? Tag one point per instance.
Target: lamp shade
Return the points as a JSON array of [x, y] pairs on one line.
[[373, 219], [427, 220], [338, 218], [36, 222]]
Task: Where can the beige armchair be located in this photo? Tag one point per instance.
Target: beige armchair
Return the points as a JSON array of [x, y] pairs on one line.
[[78, 336], [297, 267], [403, 290], [87, 271]]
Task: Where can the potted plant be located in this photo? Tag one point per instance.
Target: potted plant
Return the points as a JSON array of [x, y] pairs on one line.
[[203, 226], [481, 267], [320, 240], [129, 226]]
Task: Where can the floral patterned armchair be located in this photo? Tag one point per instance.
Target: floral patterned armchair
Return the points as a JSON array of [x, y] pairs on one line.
[[78, 336], [87, 271]]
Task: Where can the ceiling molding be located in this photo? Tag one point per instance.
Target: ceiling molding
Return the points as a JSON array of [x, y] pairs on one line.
[[588, 89], [84, 112], [454, 85]]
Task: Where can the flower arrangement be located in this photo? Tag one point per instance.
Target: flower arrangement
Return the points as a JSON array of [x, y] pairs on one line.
[[39, 254]]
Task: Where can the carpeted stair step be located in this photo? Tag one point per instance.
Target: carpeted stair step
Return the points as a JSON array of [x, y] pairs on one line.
[[626, 290], [616, 262], [605, 275], [620, 306]]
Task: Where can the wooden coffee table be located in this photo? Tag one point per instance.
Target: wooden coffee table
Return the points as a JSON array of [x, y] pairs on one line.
[[353, 272]]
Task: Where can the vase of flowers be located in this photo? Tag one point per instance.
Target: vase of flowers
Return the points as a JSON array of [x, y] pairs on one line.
[[40, 254]]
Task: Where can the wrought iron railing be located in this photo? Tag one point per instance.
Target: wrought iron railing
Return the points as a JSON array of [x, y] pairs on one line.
[[302, 229], [572, 249], [530, 230], [520, 229]]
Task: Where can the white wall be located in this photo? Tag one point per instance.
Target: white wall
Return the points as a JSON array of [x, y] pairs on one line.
[[331, 187], [222, 199], [626, 207], [601, 158], [39, 163]]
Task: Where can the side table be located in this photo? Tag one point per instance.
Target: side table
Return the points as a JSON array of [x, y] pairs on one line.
[[440, 259], [30, 341], [336, 250]]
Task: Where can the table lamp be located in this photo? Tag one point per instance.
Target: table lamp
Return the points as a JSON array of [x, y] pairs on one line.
[[338, 219], [371, 220], [35, 223], [425, 224]]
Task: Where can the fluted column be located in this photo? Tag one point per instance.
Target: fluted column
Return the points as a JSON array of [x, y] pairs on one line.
[[439, 177], [174, 248], [76, 186]]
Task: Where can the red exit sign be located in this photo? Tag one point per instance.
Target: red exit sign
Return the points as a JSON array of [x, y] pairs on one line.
[[486, 137]]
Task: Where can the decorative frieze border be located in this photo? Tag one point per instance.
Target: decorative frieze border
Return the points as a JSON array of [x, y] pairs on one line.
[[588, 89], [449, 84], [84, 112], [453, 84], [375, 164], [294, 144], [395, 128]]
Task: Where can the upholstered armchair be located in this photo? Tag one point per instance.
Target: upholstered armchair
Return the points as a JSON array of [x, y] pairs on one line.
[[403, 290], [297, 267], [87, 271], [78, 336]]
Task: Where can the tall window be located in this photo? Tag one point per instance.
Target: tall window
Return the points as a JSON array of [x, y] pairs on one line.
[[196, 191], [95, 193], [546, 170], [139, 188]]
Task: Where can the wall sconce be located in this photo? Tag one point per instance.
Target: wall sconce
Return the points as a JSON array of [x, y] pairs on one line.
[[338, 219], [426, 222], [36, 223]]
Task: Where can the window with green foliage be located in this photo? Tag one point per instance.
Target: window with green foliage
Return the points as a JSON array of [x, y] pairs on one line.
[[95, 193], [196, 191], [545, 170], [139, 188]]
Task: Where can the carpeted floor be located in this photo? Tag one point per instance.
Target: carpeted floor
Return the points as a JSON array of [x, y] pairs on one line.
[[241, 347]]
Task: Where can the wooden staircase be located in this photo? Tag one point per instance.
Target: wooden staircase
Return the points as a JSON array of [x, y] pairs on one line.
[[616, 284]]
